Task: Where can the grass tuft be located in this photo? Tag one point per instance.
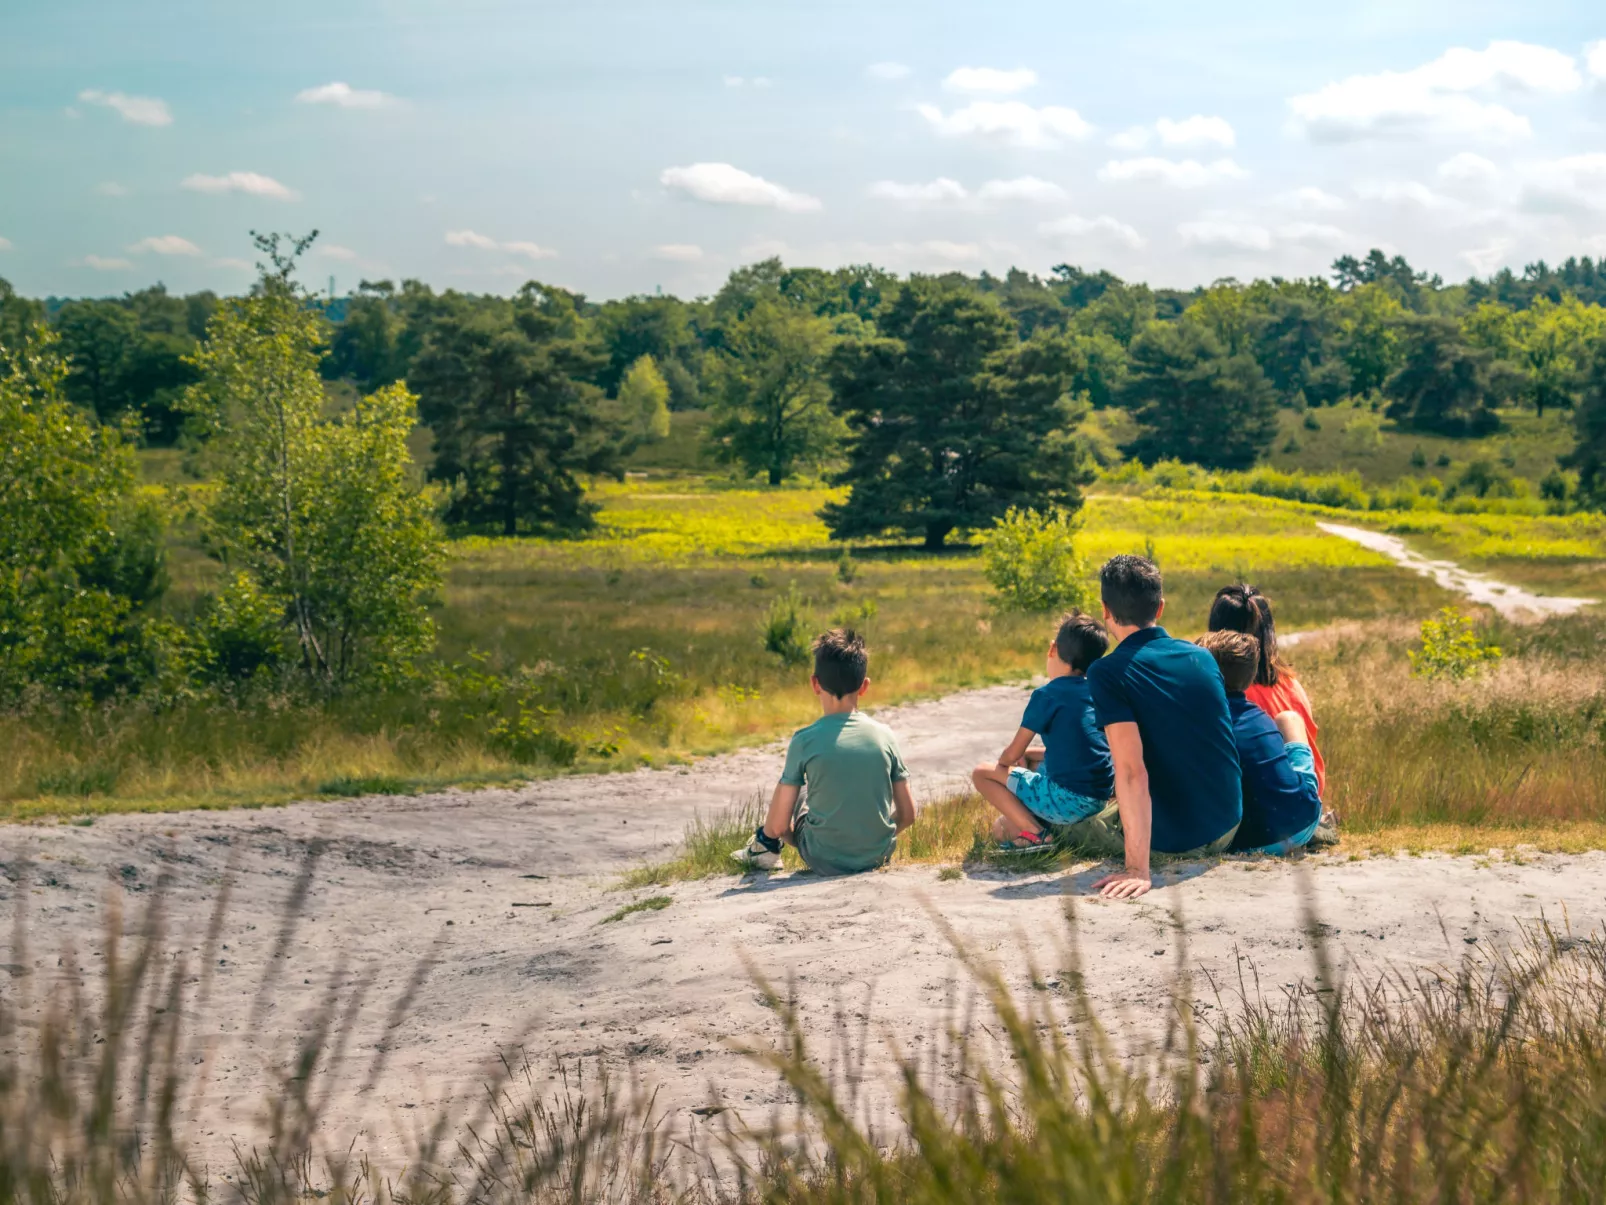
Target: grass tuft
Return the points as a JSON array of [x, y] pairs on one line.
[[656, 903]]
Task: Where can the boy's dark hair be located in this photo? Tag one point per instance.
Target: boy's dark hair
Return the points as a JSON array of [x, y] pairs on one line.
[[1130, 587], [1080, 641], [1237, 654], [1242, 608], [840, 661]]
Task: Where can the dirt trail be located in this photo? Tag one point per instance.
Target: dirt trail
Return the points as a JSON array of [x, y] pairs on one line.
[[504, 893], [1511, 601]]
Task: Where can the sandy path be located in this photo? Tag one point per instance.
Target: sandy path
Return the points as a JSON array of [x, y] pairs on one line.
[[441, 878], [1511, 601]]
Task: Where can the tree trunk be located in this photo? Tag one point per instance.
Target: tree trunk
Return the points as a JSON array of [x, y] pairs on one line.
[[775, 474], [936, 533]]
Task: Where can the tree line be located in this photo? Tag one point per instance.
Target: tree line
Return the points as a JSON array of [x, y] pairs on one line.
[[940, 400]]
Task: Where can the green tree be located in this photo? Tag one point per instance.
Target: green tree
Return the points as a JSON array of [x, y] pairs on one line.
[[79, 556], [660, 327], [1553, 342], [644, 400], [1296, 344], [18, 315], [1369, 322], [1589, 422], [954, 419], [771, 400], [1193, 401], [1442, 383], [367, 346], [321, 512], [506, 388]]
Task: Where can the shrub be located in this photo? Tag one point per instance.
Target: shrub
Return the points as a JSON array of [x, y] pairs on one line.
[[1030, 560], [846, 568], [1312, 423], [785, 628], [525, 737], [239, 633], [1450, 648]]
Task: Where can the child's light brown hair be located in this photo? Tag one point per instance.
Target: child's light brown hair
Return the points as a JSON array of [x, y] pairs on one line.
[[841, 661], [1238, 656]]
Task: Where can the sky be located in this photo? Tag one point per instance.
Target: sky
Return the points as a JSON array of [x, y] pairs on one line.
[[624, 146]]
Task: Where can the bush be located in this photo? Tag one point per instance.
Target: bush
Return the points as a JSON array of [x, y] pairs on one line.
[[239, 633], [1030, 560], [1450, 648], [785, 628], [846, 568]]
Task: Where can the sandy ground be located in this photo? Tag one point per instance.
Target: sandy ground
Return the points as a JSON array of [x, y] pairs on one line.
[[500, 896], [439, 880]]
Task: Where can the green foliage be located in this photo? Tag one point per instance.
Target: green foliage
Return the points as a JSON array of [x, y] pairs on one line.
[[529, 737], [771, 401], [1031, 563], [653, 903], [1197, 400], [238, 634], [1589, 423], [322, 513], [954, 419], [79, 555], [1451, 648], [846, 568], [1369, 321], [785, 630], [504, 386], [644, 401], [1442, 384]]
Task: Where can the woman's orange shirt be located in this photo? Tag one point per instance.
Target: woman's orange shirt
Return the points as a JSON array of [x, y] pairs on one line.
[[1289, 695]]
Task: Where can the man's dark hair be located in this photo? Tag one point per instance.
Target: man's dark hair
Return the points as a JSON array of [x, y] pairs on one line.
[[1242, 608], [1081, 641], [1130, 587], [1237, 654], [840, 661]]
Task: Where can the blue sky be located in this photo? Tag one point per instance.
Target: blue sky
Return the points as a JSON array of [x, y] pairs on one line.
[[614, 147]]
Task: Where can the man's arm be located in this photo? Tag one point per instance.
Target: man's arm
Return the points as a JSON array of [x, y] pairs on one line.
[[903, 804], [1016, 749], [1137, 812]]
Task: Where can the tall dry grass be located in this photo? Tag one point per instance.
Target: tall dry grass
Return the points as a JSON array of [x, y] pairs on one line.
[[1483, 1082]]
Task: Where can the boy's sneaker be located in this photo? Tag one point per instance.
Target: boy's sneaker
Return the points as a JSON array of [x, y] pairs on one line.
[[763, 852], [1326, 834]]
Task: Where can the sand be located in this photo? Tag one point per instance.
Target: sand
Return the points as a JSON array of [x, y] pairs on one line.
[[440, 878]]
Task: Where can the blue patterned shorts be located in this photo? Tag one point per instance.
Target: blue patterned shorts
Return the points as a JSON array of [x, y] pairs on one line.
[[1049, 801]]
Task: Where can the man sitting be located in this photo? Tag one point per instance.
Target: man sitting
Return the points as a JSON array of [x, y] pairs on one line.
[[1163, 709], [1281, 805]]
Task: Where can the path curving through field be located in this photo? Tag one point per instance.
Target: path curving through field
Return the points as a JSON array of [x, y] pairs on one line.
[[1513, 602]]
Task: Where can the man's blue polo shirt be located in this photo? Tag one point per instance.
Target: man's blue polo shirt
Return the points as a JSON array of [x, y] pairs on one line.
[[1173, 691]]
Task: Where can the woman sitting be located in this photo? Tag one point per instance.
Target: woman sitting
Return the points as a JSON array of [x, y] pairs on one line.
[[1275, 688]]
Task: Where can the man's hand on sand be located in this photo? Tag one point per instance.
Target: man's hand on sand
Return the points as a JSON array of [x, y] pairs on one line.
[[1124, 885]]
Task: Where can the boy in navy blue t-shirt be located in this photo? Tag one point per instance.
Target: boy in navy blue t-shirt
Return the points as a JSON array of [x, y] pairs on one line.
[[1075, 779], [1281, 803]]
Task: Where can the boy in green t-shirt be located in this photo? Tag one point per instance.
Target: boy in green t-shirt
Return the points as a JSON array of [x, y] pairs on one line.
[[858, 797]]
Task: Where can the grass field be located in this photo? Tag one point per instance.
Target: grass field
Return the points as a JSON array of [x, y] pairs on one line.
[[641, 643]]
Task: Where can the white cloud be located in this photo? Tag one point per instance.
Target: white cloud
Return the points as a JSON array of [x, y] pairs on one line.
[[1312, 199], [737, 81], [141, 110], [888, 71], [345, 96], [1411, 193], [5, 244], [1595, 60], [1469, 169], [1173, 173], [530, 250], [101, 264], [238, 265], [1574, 183], [1434, 99], [1311, 232], [723, 184], [470, 238], [733, 81], [110, 188], [990, 79], [336, 251], [1133, 138], [933, 192], [1102, 227], [767, 248], [1486, 259], [252, 183], [1011, 121], [1023, 188], [938, 249], [165, 244], [1197, 130], [680, 253], [1217, 235]]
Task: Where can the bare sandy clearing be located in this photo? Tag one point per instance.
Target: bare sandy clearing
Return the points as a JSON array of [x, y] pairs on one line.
[[443, 877]]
